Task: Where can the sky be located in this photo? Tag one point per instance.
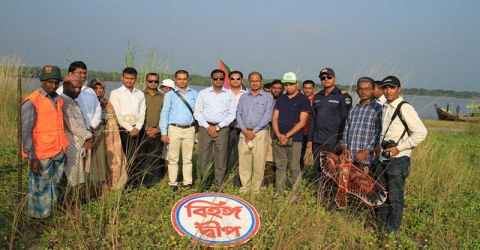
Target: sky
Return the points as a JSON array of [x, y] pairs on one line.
[[431, 44]]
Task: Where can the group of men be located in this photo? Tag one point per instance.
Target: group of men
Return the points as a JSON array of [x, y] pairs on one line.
[[268, 127]]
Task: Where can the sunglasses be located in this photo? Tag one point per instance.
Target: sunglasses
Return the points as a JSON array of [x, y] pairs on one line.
[[233, 78], [323, 78], [155, 81], [218, 78]]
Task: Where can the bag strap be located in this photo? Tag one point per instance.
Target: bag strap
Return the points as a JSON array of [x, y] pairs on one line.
[[184, 101], [398, 113]]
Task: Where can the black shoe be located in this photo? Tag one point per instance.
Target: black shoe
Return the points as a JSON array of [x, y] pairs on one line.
[[174, 188], [189, 187]]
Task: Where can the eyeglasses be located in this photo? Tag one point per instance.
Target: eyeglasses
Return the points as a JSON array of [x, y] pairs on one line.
[[233, 78], [218, 78], [151, 81], [364, 89], [323, 78]]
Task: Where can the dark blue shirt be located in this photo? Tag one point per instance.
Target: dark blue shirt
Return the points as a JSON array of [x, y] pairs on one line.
[[327, 119], [289, 113]]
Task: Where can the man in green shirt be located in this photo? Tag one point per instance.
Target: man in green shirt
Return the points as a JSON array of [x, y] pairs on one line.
[[152, 164]]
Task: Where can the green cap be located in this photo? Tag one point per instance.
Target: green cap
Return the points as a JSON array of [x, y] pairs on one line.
[[289, 77], [51, 72]]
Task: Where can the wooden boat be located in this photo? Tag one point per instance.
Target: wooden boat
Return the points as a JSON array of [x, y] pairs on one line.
[[473, 114]]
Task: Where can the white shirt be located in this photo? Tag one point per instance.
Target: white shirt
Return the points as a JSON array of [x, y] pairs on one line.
[[418, 132], [382, 100], [237, 96], [89, 104], [129, 107]]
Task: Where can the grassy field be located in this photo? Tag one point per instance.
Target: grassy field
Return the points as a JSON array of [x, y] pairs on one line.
[[442, 205]]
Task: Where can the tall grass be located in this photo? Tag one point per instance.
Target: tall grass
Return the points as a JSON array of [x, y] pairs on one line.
[[11, 67], [442, 202], [152, 61]]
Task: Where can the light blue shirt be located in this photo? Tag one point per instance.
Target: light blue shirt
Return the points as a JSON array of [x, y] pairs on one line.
[[255, 112], [174, 109], [215, 107]]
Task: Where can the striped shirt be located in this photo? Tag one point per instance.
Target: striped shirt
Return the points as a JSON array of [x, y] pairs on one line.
[[362, 129]]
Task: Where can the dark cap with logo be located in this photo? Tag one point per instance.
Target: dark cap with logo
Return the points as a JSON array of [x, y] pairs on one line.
[[51, 72], [391, 81], [327, 71]]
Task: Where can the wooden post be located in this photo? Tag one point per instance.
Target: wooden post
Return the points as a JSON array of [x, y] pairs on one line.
[[19, 135]]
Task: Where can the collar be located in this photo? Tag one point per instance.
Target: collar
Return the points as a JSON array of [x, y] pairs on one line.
[[242, 91], [44, 93], [176, 89], [125, 89], [210, 89], [395, 103], [371, 103], [157, 93], [298, 93], [262, 92], [335, 90]]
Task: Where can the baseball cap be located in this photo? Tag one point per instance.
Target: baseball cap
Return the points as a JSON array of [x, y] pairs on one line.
[[327, 71], [391, 80], [168, 83], [51, 72], [289, 77]]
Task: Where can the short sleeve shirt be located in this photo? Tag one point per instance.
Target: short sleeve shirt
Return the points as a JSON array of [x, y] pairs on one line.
[[289, 113]]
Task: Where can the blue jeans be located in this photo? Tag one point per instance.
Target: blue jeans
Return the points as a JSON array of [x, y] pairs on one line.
[[392, 175]]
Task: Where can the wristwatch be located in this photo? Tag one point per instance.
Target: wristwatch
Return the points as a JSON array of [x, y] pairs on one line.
[[286, 136], [217, 127]]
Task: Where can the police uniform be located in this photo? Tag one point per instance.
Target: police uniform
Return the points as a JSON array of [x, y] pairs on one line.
[[328, 116]]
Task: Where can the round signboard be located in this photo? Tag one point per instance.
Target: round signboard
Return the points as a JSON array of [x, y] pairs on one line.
[[215, 219]]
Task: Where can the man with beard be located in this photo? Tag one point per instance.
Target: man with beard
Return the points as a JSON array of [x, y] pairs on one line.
[[78, 134], [44, 142], [87, 99]]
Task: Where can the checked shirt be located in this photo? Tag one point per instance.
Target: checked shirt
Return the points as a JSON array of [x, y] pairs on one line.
[[362, 129]]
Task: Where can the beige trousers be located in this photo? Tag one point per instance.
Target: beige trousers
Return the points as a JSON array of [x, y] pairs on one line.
[[252, 161], [183, 138]]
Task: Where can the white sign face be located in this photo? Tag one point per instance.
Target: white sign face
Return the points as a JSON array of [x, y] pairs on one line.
[[216, 219]]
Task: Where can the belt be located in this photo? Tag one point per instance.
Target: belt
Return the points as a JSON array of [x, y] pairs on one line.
[[181, 126], [212, 123]]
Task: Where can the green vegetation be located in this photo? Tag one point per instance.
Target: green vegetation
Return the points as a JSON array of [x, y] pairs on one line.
[[441, 207], [442, 204]]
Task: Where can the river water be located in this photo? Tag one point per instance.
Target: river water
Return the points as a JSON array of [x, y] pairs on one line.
[[422, 104]]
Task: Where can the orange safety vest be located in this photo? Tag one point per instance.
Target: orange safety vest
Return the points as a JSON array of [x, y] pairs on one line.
[[48, 133]]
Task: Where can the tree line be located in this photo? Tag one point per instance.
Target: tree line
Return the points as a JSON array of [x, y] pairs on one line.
[[195, 79]]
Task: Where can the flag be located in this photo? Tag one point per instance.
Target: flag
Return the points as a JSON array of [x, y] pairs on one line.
[[227, 71]]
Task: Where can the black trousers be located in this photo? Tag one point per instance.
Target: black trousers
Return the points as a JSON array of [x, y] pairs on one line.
[[130, 146], [150, 165]]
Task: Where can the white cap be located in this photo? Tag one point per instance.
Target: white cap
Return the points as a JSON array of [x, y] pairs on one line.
[[168, 83]]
